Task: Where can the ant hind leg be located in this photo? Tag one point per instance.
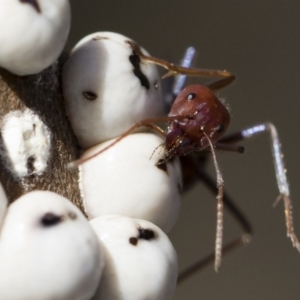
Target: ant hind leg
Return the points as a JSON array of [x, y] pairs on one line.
[[280, 171]]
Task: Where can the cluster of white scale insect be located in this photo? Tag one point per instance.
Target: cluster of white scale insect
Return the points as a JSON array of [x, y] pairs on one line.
[[48, 249]]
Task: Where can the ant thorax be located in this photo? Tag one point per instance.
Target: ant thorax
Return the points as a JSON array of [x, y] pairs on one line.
[[201, 115]]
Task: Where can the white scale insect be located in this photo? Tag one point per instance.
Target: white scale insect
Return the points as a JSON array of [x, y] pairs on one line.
[[57, 254], [103, 79], [140, 261], [33, 33], [144, 190], [45, 223], [47, 250]]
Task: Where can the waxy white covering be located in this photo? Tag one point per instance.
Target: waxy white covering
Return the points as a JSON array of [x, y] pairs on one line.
[[140, 269], [48, 250], [103, 95], [124, 180], [33, 34], [25, 138]]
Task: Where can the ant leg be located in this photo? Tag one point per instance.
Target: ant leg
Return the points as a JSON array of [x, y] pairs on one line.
[[220, 84], [236, 214], [231, 148], [144, 123], [228, 202], [191, 270], [186, 62], [175, 69], [280, 170], [175, 85], [220, 209], [156, 128]]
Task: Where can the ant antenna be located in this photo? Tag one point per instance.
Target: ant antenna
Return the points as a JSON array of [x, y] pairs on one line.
[[159, 146]]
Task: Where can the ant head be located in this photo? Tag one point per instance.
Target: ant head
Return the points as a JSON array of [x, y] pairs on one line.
[[204, 115]]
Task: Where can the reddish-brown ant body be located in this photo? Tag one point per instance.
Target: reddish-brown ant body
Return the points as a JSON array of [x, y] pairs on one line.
[[198, 121]]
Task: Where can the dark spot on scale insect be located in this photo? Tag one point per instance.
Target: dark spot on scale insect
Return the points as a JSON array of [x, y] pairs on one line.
[[51, 219], [133, 241], [146, 234], [34, 3], [135, 61], [91, 96]]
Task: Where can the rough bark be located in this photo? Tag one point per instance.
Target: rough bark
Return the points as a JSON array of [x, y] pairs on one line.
[[42, 94]]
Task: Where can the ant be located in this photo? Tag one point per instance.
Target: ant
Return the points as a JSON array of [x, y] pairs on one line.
[[196, 122]]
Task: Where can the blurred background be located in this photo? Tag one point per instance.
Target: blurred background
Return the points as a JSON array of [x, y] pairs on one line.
[[259, 41]]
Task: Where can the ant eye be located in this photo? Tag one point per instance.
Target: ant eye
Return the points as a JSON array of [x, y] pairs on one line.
[[191, 96], [221, 128], [50, 219]]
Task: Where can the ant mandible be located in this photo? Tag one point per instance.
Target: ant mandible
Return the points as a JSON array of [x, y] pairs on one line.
[[197, 121]]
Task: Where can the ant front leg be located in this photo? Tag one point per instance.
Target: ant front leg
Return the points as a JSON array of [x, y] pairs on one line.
[[220, 209], [280, 171], [150, 123], [197, 167]]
